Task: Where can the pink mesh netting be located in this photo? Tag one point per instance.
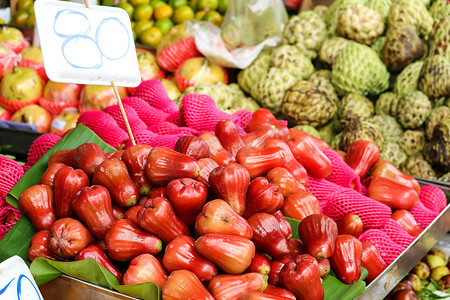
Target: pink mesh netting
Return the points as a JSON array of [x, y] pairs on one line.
[[7, 62], [146, 113], [26, 167], [321, 188], [10, 172], [177, 53], [56, 107], [104, 126], [242, 117], [174, 118], [155, 94], [14, 106], [170, 128], [17, 48], [346, 201], [159, 75], [133, 119], [40, 146], [342, 174], [388, 249], [397, 234], [38, 67], [200, 112], [423, 215], [7, 223], [433, 198], [146, 137], [363, 190]]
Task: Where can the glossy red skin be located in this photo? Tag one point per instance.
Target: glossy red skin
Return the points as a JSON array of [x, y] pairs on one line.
[[116, 154], [88, 157], [295, 248], [135, 159], [112, 173], [386, 169], [311, 157], [267, 235], [350, 224], [258, 137], [285, 226], [206, 167], [228, 134], [192, 146], [157, 192], [346, 259], [259, 264], [187, 197], [407, 221], [180, 253], [324, 267], [145, 268], [279, 292], [49, 175], [216, 150], [405, 295], [392, 194], [95, 252], [230, 183], [67, 183], [261, 296], [132, 212], [260, 116], [158, 217], [292, 165], [299, 206], [372, 261], [258, 162], [37, 203], [235, 286], [217, 216], [125, 240], [296, 133], [165, 164], [62, 156], [230, 253], [318, 234], [118, 212], [93, 206], [184, 285], [275, 267], [287, 182], [263, 196], [68, 237], [39, 247], [361, 156], [302, 277]]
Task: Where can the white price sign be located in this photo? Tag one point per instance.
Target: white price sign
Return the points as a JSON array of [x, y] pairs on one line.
[[84, 45]]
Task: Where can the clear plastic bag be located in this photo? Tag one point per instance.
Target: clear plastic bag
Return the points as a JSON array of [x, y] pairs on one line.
[[248, 27]]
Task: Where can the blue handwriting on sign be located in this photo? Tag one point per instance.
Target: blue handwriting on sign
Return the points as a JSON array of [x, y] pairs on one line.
[[19, 287]]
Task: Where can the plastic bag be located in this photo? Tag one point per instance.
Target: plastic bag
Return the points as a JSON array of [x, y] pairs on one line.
[[248, 27]]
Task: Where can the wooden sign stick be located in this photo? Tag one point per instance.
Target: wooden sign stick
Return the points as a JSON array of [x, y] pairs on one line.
[[124, 115]]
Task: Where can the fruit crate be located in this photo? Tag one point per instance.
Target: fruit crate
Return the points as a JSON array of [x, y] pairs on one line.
[[20, 141]]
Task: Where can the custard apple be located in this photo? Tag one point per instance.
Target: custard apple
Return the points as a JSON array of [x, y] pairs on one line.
[[360, 23], [354, 106], [445, 177], [249, 76], [434, 77], [438, 8], [412, 142], [393, 153], [378, 45], [406, 81], [269, 89], [381, 6], [391, 130], [437, 151], [305, 104], [321, 79], [307, 31], [358, 129], [437, 114], [320, 10], [440, 38], [384, 102], [330, 48], [415, 110], [244, 103], [290, 58], [417, 166], [358, 69], [394, 106], [327, 131], [335, 143], [310, 130], [332, 14]]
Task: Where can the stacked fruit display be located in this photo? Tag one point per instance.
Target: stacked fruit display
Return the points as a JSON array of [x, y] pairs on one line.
[[23, 15]]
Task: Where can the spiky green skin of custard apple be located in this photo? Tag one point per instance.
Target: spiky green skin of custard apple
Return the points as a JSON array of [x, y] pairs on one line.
[[436, 9], [440, 38], [434, 77], [393, 153], [445, 177], [391, 130], [305, 104], [330, 48], [328, 132], [358, 69], [335, 143], [412, 12], [406, 81], [218, 91], [412, 142], [381, 6], [321, 79], [417, 166], [245, 103], [251, 75], [307, 31], [354, 106], [269, 90], [309, 129], [413, 110], [360, 23], [437, 151], [320, 10], [290, 58], [443, 12], [332, 14], [402, 47], [437, 114], [378, 45], [199, 89], [358, 129], [384, 102]]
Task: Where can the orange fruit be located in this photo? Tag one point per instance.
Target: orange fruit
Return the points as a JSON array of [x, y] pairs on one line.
[[142, 26], [213, 17], [30, 21], [177, 3], [24, 4], [207, 4], [163, 12], [142, 12], [182, 13], [164, 25], [19, 18], [151, 37], [128, 8], [157, 3], [137, 2], [199, 15]]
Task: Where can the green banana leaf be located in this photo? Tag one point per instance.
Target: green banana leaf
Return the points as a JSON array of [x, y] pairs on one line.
[[17, 240]]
